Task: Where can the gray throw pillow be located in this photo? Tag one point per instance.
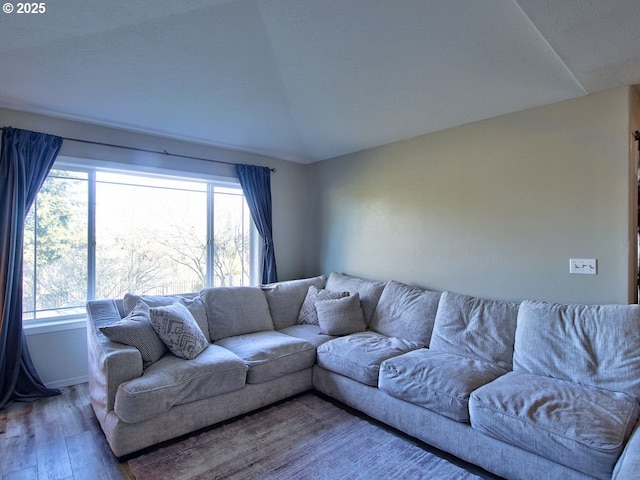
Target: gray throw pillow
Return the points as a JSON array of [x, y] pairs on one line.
[[136, 331], [179, 331], [341, 316], [308, 314], [369, 290]]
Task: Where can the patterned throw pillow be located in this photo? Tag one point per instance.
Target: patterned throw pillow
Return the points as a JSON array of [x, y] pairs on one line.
[[136, 331], [192, 301], [177, 328], [341, 316], [308, 314]]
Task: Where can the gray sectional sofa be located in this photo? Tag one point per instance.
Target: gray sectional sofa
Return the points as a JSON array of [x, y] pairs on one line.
[[526, 391]]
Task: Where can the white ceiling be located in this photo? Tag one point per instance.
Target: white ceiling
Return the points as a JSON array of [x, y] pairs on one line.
[[306, 80]]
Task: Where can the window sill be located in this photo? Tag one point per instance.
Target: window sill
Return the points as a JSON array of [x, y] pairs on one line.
[[36, 328]]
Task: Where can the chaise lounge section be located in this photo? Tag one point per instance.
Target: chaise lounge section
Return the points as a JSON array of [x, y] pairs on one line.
[[534, 390]]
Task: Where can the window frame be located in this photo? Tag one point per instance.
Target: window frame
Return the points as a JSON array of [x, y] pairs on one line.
[[92, 168]]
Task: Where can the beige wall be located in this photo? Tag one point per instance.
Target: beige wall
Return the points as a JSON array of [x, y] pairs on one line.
[[494, 209]]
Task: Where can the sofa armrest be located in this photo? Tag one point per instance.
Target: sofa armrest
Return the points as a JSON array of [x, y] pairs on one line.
[[110, 363], [628, 464]]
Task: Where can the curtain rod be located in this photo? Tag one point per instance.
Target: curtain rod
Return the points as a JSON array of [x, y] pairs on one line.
[[145, 150]]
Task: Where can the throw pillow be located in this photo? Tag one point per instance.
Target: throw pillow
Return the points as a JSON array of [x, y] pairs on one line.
[[136, 331], [341, 316], [308, 314], [369, 290], [190, 300], [285, 299], [177, 328]]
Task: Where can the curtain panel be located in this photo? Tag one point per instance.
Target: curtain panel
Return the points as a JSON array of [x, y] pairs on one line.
[[25, 160], [256, 185]]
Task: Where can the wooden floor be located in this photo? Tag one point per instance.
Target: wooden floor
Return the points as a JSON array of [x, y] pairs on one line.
[[56, 438]]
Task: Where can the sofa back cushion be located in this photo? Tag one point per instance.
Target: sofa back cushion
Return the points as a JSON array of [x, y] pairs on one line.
[[369, 291], [235, 311], [476, 328], [593, 345], [285, 299], [406, 312]]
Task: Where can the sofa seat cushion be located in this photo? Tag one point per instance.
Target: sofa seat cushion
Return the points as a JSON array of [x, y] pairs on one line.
[[438, 381], [270, 355], [310, 333], [581, 427], [173, 381], [359, 356]]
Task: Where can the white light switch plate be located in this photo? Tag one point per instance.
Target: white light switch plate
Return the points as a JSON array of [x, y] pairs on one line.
[[583, 266]]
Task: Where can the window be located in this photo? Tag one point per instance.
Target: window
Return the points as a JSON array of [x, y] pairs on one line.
[[96, 233]]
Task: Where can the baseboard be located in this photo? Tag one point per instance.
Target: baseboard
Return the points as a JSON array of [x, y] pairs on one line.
[[67, 382]]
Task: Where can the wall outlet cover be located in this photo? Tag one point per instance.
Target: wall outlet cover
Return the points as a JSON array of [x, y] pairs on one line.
[[583, 266]]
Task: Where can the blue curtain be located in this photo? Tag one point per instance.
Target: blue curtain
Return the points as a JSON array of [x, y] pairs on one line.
[[25, 160], [256, 185]]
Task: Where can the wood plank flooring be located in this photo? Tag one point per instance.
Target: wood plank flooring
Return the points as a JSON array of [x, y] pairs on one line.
[[56, 438]]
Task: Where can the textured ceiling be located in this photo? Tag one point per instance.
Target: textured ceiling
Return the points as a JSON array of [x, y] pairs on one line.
[[306, 80]]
